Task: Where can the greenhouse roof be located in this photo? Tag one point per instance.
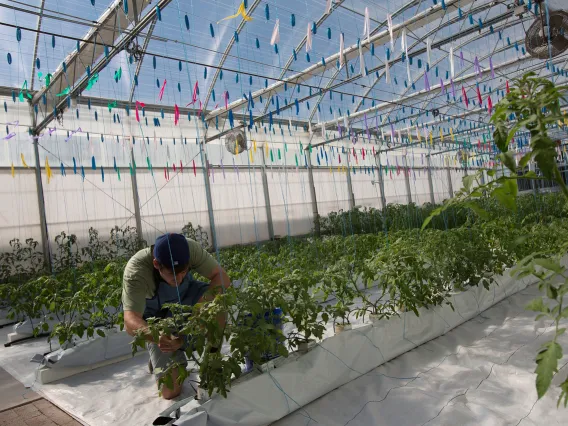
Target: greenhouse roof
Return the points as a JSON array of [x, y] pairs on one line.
[[217, 56]]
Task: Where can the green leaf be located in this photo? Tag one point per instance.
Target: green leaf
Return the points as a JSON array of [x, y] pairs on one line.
[[477, 209], [508, 160], [525, 160], [537, 305], [45, 326], [547, 366], [100, 332], [549, 264]]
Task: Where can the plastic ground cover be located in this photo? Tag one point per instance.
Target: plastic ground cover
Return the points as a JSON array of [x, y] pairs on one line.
[[498, 346], [339, 360]]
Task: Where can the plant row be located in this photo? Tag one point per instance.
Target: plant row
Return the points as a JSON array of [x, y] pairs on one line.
[[283, 283]]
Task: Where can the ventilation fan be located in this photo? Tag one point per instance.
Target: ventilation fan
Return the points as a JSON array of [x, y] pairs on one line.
[[236, 142], [536, 40]]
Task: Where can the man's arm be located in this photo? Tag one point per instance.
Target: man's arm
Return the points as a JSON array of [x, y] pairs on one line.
[[133, 322]]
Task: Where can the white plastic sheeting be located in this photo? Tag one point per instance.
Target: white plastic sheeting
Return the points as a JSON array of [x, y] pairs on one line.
[[339, 360]]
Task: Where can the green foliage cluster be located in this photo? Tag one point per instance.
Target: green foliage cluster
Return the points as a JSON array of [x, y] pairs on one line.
[[396, 217], [412, 271]]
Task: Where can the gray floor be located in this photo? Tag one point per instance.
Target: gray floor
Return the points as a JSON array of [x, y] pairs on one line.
[[13, 393]]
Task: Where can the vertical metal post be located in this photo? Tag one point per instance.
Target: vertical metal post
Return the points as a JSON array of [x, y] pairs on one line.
[[205, 165], [267, 197], [381, 181], [450, 187], [407, 180], [40, 198], [313, 196], [350, 186], [41, 205], [533, 183], [430, 182], [136, 198]]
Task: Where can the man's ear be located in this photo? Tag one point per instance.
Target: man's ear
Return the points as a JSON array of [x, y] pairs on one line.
[[156, 264]]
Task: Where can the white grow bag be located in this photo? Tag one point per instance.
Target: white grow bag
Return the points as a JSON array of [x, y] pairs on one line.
[[262, 398], [85, 355], [25, 329]]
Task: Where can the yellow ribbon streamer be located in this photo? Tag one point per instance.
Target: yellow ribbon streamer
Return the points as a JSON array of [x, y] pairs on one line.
[[418, 134], [47, 170], [452, 134], [24, 160], [13, 171], [251, 159], [441, 135], [240, 11], [254, 146]]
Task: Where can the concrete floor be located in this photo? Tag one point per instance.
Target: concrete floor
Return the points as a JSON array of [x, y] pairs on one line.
[[13, 393], [20, 406]]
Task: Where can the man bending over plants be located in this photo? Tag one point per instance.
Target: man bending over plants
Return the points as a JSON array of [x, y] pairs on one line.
[[159, 275]]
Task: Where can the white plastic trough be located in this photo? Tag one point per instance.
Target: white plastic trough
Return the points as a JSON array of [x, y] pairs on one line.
[[86, 355], [261, 398]]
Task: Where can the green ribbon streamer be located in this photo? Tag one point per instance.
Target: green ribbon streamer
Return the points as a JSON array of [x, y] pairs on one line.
[[92, 81], [64, 92], [111, 105]]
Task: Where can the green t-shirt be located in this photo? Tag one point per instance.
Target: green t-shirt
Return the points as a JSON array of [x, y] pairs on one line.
[[138, 280]]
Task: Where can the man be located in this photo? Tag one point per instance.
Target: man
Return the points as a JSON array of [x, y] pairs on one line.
[[158, 275]]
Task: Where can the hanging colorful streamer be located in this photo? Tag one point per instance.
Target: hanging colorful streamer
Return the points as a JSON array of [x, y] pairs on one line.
[[139, 105], [162, 90], [240, 11]]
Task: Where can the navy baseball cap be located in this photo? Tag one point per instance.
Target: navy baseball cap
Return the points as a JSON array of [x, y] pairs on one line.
[[171, 248]]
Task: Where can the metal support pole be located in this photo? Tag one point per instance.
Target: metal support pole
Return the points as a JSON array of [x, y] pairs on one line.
[[381, 181], [430, 182], [313, 196], [407, 180], [450, 187], [41, 205], [350, 186], [533, 183], [136, 198], [205, 163], [267, 197]]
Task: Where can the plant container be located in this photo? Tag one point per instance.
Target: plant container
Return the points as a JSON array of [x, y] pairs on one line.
[[340, 328], [304, 347]]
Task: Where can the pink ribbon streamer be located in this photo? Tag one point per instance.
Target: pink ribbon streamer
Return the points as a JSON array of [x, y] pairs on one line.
[[465, 98], [162, 89], [51, 130], [426, 82], [453, 88], [139, 105], [176, 115], [9, 136], [491, 67], [489, 104], [442, 87], [226, 96]]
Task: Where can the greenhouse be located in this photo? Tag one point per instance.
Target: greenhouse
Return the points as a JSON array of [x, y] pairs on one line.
[[254, 212]]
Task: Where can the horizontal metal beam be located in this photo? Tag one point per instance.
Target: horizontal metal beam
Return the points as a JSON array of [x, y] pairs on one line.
[[298, 47], [242, 24], [418, 94], [351, 52], [71, 78]]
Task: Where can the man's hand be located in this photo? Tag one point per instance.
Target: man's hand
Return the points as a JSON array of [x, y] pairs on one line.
[[169, 344]]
